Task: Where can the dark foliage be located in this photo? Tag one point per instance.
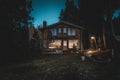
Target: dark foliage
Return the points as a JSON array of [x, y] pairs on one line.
[[70, 13], [14, 18], [116, 24], [91, 14], [96, 16], [35, 41]]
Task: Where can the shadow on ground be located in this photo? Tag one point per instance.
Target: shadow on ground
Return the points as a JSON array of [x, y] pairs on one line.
[[59, 67]]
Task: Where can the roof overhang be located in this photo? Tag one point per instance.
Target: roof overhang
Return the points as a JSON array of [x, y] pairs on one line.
[[63, 22]]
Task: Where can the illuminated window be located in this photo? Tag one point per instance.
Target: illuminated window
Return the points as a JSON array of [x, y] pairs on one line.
[[73, 42], [64, 43], [55, 44]]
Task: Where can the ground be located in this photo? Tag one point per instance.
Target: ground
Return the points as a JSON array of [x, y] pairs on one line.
[[59, 67]]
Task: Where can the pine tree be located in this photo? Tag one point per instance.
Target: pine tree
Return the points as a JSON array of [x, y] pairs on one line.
[[14, 16], [35, 41], [70, 13]]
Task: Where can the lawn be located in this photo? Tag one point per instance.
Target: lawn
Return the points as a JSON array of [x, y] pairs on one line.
[[59, 67]]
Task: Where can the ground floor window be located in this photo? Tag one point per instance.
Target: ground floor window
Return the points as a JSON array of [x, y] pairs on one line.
[[55, 44], [72, 43], [66, 44]]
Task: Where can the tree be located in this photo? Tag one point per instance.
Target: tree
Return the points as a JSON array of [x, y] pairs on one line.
[[93, 14], [116, 24], [110, 7], [70, 13], [35, 41], [14, 18]]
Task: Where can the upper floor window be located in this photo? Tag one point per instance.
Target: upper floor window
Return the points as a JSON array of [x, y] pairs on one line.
[[64, 30], [71, 31], [59, 30], [54, 32]]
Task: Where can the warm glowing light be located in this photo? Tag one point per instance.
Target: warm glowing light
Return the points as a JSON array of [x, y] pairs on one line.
[[92, 37], [55, 44], [52, 47], [92, 51], [64, 43], [73, 42], [89, 51], [58, 43]]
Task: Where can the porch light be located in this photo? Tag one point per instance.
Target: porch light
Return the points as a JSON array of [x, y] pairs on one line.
[[92, 37], [93, 42]]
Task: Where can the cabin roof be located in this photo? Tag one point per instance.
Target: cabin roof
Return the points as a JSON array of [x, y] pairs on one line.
[[64, 22]]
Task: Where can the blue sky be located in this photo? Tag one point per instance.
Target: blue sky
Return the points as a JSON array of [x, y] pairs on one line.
[[47, 10], [116, 13]]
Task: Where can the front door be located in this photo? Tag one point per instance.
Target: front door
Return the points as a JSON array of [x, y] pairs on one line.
[[65, 45]]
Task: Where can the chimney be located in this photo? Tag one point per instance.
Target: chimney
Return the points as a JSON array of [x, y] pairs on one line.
[[44, 24]]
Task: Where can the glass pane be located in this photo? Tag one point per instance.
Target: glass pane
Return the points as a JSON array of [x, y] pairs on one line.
[[59, 30], [64, 43], [65, 30], [73, 42]]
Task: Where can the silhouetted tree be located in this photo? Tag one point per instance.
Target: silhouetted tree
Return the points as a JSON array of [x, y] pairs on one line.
[[70, 13], [14, 18], [93, 14], [109, 7], [35, 41], [116, 24]]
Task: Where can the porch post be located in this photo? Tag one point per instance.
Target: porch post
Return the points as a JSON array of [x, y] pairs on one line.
[[67, 44], [62, 44], [81, 41], [62, 39]]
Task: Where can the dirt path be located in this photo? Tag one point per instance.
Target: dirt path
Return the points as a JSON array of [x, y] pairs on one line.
[[57, 67]]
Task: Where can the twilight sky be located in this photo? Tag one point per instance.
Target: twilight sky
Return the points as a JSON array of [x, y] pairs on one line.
[[48, 10]]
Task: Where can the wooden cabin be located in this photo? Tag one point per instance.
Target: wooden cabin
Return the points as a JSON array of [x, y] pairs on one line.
[[63, 35]]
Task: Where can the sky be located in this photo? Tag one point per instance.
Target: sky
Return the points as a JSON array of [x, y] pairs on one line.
[[47, 10], [116, 13]]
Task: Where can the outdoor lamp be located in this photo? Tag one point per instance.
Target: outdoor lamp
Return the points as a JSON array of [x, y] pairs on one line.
[[92, 37]]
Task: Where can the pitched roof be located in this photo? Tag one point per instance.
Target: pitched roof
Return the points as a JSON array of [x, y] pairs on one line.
[[50, 26]]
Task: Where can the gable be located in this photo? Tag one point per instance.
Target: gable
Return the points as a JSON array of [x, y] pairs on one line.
[[63, 24]]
